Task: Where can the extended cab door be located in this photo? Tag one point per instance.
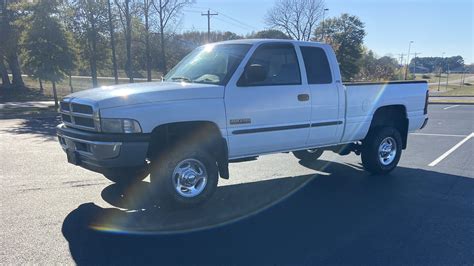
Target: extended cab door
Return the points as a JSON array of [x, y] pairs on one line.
[[327, 116], [268, 108]]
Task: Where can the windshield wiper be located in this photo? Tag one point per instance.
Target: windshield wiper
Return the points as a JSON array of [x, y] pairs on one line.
[[181, 79]]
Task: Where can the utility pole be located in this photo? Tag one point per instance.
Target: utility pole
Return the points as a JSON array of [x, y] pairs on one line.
[[440, 70], [408, 59], [324, 28], [414, 63], [208, 14], [402, 55]]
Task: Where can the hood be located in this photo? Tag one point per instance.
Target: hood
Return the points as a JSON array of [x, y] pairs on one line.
[[148, 92]]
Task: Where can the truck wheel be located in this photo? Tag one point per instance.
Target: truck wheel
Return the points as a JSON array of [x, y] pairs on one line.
[[127, 176], [381, 150], [185, 178], [308, 155]]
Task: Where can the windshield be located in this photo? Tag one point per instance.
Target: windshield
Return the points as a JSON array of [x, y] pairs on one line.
[[211, 64]]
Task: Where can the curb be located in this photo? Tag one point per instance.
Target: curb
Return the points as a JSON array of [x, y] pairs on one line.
[[453, 103], [443, 96]]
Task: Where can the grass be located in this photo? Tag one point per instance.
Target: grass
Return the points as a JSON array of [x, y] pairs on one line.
[[28, 112], [452, 90], [63, 88]]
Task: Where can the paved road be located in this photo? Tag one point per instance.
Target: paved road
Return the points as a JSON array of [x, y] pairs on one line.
[[52, 212]]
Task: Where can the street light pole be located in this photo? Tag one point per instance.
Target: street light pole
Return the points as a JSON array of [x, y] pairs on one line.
[[447, 77], [408, 59], [324, 28], [440, 69]]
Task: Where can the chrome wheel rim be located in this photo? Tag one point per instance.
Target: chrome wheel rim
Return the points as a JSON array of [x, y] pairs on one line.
[[189, 178], [313, 150], [387, 151]]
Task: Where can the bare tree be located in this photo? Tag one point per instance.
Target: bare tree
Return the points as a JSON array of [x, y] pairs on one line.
[[146, 15], [167, 11], [112, 40], [4, 73], [296, 17], [90, 25], [10, 32], [125, 11]]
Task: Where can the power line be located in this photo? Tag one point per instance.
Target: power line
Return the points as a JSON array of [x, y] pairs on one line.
[[235, 21], [231, 23]]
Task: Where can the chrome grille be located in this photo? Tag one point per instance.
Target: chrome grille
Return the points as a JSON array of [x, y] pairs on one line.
[[82, 108], [78, 115]]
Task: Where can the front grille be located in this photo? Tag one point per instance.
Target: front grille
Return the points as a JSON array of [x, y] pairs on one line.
[[84, 122], [65, 106], [78, 115], [66, 118], [82, 108]]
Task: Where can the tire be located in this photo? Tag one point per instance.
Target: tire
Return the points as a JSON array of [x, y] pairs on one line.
[[376, 160], [127, 176], [171, 169], [308, 155]]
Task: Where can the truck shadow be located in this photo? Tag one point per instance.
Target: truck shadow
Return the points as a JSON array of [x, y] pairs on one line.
[[412, 216]]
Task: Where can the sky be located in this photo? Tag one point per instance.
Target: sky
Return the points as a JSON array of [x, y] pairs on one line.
[[434, 26]]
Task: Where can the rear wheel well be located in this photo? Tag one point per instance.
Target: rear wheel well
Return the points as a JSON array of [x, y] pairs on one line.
[[204, 133], [391, 116]]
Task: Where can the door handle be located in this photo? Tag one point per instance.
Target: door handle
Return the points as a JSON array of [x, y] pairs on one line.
[[303, 97]]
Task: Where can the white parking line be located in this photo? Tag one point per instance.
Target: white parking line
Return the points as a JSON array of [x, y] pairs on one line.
[[449, 107], [440, 158], [438, 135]]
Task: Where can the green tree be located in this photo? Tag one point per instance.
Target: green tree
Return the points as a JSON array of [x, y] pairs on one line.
[[377, 69], [46, 45], [346, 35]]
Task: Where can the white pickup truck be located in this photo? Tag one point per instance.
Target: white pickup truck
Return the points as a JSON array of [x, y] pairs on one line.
[[233, 100]]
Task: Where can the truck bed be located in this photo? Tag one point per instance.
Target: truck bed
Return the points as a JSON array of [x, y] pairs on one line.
[[364, 98]]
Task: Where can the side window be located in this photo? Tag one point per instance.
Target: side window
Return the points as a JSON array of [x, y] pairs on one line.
[[272, 64], [317, 65]]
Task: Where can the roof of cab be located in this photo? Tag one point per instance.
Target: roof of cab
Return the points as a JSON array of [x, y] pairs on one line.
[[259, 41]]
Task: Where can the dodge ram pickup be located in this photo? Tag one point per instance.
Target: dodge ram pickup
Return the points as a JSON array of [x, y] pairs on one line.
[[229, 101]]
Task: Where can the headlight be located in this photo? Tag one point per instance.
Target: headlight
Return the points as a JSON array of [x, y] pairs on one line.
[[115, 125]]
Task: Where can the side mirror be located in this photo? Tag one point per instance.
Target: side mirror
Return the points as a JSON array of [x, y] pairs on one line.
[[255, 73]]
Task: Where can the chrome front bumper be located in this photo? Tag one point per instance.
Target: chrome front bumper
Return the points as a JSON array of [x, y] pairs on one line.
[[103, 152], [94, 149]]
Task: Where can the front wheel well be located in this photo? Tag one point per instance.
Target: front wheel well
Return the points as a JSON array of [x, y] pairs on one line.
[[204, 133], [391, 116]]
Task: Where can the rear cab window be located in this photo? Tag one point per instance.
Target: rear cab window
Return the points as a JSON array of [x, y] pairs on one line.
[[318, 70]]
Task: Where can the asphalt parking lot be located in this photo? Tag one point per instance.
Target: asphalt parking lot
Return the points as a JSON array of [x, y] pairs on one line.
[[275, 210]]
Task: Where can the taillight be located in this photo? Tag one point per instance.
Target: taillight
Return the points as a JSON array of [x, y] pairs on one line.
[[426, 102]]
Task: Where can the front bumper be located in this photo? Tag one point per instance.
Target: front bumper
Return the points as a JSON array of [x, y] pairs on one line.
[[103, 153]]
